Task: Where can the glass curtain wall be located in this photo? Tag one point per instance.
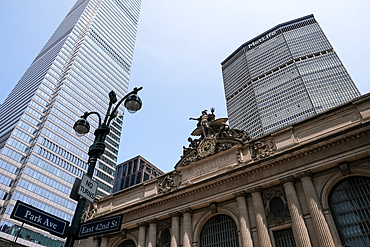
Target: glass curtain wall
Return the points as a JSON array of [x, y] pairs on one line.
[[89, 55]]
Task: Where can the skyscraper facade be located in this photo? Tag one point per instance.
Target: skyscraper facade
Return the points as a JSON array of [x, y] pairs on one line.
[[89, 55], [286, 74], [134, 171]]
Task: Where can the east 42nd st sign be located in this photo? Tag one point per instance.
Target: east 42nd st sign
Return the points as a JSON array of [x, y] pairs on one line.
[[111, 224]]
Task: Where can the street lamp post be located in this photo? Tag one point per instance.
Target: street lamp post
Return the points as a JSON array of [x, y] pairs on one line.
[[132, 104]]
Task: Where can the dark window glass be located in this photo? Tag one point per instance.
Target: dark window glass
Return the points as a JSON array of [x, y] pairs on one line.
[[138, 178], [135, 166], [165, 238], [127, 243], [277, 207], [124, 170], [129, 167], [284, 238]]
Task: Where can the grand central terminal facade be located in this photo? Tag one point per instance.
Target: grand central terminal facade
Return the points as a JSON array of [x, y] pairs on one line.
[[307, 184]]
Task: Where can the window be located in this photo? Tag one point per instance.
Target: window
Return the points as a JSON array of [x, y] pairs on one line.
[[127, 243], [165, 238], [284, 238], [220, 230], [349, 203], [277, 207]]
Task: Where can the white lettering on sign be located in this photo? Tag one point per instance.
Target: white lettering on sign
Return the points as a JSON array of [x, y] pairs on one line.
[[50, 224], [266, 37], [38, 219], [32, 217]]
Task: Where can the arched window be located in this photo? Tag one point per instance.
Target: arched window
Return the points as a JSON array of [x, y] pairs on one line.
[[127, 243], [219, 231], [349, 202]]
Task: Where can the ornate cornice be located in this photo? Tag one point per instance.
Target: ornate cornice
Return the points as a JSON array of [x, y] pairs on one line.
[[253, 168]]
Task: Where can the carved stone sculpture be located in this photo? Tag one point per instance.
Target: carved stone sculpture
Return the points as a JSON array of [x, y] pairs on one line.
[[165, 184], [262, 149], [215, 136]]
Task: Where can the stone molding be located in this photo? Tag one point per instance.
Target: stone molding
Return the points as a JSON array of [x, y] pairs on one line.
[[262, 166]]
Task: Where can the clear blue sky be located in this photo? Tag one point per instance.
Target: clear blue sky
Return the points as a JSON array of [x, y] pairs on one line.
[[179, 47]]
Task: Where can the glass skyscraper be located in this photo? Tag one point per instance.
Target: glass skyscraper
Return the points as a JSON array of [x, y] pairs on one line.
[[284, 75], [89, 55]]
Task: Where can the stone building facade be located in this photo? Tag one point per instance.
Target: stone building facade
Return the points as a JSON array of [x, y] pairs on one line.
[[307, 184]]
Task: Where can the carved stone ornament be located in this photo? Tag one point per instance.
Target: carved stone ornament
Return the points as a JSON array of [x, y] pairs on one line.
[[165, 184], [263, 149], [215, 136], [89, 211], [164, 234], [276, 207]]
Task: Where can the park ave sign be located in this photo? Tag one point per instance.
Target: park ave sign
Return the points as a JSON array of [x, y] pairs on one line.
[[40, 219]]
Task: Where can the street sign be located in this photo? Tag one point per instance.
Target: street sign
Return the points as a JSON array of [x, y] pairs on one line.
[[40, 219], [88, 188], [96, 227]]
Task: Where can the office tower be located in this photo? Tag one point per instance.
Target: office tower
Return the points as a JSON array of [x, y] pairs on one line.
[[134, 171], [89, 55], [286, 74]]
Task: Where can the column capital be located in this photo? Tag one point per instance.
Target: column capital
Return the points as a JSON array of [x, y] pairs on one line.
[[143, 224], [240, 194], [286, 180], [304, 174], [187, 211], [175, 214], [256, 189], [153, 221]]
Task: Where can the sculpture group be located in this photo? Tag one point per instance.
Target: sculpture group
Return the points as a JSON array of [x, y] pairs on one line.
[[215, 135]]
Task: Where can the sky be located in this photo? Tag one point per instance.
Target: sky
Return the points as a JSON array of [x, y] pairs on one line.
[[178, 51]]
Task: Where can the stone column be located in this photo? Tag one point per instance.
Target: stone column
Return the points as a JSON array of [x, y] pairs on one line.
[[142, 235], [187, 239], [261, 222], [96, 241], [175, 230], [299, 228], [245, 227], [152, 233], [104, 241], [323, 234]]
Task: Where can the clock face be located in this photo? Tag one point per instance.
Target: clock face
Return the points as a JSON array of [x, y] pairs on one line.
[[206, 147]]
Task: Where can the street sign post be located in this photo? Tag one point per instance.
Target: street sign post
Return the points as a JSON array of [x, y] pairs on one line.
[[40, 219], [101, 226], [87, 188]]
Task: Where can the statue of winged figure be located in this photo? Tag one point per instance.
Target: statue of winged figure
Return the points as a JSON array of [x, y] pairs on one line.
[[207, 123]]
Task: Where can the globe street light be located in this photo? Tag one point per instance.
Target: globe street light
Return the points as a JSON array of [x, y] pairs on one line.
[[132, 104]]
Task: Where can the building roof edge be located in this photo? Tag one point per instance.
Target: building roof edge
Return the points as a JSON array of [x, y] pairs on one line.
[[263, 34]]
